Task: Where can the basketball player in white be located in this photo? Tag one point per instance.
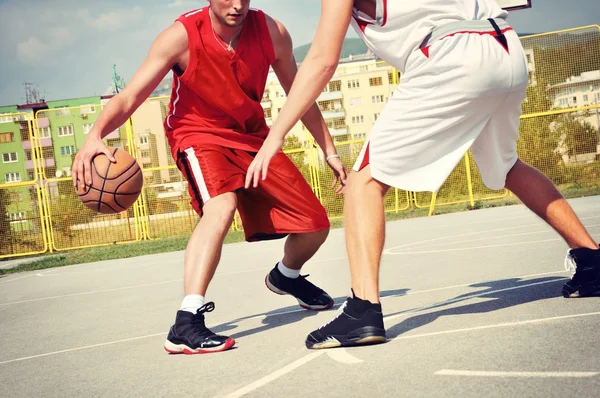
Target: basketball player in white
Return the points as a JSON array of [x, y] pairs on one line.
[[464, 77]]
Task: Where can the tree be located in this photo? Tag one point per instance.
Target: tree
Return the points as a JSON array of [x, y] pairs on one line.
[[297, 154], [578, 137], [538, 145], [6, 232], [67, 209]]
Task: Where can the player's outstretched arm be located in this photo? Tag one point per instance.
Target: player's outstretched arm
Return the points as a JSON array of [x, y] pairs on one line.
[[285, 68], [312, 77], [165, 52]]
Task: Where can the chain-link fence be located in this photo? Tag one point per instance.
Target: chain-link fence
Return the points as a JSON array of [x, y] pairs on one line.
[[39, 210]]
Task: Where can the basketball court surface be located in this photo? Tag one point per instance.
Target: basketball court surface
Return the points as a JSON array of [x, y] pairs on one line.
[[472, 303]]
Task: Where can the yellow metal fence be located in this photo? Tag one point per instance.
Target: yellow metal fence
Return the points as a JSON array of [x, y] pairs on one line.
[[41, 212]]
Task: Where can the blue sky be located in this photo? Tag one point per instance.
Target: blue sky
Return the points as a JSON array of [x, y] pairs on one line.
[[67, 47]]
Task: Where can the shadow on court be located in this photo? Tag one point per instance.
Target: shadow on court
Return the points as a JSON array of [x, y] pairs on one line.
[[504, 293], [283, 316]]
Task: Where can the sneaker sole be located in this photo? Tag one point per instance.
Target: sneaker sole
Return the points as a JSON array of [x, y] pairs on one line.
[[366, 336], [184, 349], [275, 290]]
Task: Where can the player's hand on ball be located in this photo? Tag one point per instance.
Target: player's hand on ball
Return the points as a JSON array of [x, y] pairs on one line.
[[259, 166], [340, 172], [82, 166]]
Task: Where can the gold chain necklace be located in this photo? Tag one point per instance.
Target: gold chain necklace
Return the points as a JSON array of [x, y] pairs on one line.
[[229, 48]]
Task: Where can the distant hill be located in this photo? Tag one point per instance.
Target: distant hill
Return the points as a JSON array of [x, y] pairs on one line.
[[352, 46]]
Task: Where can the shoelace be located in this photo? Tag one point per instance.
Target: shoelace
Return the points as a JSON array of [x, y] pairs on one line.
[[198, 320], [570, 264], [339, 312]]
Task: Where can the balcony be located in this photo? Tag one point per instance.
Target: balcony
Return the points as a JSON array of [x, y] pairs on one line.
[[269, 122], [266, 104], [338, 131], [334, 114], [47, 163], [330, 96], [114, 135], [44, 142], [43, 122]]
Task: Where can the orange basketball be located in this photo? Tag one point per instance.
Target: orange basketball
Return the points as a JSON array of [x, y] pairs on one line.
[[115, 186]]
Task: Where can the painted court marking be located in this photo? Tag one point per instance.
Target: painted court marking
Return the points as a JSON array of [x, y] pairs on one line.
[[307, 358], [282, 313], [480, 373]]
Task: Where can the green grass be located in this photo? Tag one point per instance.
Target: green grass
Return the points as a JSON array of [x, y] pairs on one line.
[[171, 244]]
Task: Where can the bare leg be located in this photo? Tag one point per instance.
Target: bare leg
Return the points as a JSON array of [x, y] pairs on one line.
[[299, 248], [364, 220], [538, 193], [203, 250]]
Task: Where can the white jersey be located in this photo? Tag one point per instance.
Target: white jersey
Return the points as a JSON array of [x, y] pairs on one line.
[[400, 26]]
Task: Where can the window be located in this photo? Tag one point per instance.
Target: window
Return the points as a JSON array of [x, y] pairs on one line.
[[377, 99], [364, 68], [390, 78], [376, 116], [45, 132], [375, 81], [6, 137], [268, 114], [62, 112], [89, 108], [145, 154], [87, 128], [47, 152], [64, 131], [16, 216], [67, 150], [5, 119], [358, 119], [354, 83], [12, 177], [585, 98], [144, 140], [28, 154], [356, 101], [574, 100], [10, 157], [335, 85]]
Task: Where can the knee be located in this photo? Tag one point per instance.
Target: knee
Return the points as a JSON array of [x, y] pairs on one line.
[[362, 181], [221, 210]]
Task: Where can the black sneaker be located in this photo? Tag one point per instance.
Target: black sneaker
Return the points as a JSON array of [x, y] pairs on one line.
[[358, 322], [309, 296], [585, 265], [189, 335]]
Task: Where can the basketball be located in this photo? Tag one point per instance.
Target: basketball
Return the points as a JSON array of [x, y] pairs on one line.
[[115, 186]]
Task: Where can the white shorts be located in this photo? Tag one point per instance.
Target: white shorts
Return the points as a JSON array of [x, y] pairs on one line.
[[461, 91]]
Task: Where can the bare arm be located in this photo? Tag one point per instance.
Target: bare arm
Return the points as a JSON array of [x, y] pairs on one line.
[[318, 67], [285, 68], [165, 52]]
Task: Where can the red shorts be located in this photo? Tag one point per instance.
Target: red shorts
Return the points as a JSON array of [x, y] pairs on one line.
[[282, 204]]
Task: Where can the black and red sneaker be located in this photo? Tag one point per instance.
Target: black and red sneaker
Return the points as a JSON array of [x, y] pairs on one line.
[[309, 296], [585, 265], [189, 335]]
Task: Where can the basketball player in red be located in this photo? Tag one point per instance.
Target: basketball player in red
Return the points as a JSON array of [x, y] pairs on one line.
[[220, 56], [464, 77]]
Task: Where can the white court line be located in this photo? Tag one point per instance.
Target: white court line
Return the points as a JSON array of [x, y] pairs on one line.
[[467, 297], [258, 316], [500, 237], [81, 348], [474, 247], [294, 365], [388, 250], [495, 326], [479, 373], [275, 375], [91, 292], [15, 279]]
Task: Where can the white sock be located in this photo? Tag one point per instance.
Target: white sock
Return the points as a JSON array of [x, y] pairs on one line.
[[288, 272], [192, 302]]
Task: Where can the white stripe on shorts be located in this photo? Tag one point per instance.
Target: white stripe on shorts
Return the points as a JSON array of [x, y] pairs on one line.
[[198, 176]]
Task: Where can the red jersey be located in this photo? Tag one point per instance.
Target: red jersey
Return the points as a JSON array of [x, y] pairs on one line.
[[217, 99]]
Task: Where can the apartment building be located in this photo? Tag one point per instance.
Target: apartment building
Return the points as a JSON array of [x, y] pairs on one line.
[[579, 91], [351, 102]]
